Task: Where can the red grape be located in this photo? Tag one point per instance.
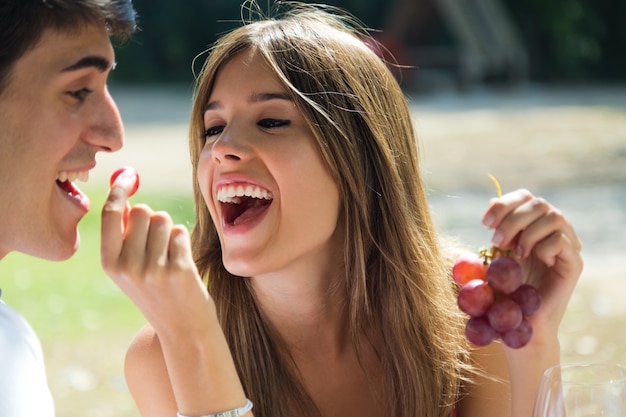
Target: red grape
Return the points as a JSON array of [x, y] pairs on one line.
[[467, 268], [496, 299], [528, 298], [117, 174], [504, 274], [518, 337], [479, 331], [475, 298], [505, 315]]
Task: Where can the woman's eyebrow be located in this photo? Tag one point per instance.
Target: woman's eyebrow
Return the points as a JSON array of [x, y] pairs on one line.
[[254, 98], [259, 97]]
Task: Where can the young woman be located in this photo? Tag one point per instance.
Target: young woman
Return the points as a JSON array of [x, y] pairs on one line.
[[329, 290]]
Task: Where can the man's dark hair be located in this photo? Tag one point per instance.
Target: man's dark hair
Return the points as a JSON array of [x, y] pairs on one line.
[[22, 23]]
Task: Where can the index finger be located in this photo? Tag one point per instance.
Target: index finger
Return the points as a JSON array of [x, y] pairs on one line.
[[500, 207], [114, 213]]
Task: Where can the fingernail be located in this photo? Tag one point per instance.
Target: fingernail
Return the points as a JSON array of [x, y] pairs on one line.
[[127, 176], [488, 220], [497, 238], [519, 252]]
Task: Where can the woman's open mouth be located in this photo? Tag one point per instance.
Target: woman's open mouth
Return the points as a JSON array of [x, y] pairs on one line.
[[243, 203]]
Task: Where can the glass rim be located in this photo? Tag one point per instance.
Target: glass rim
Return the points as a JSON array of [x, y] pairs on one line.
[[618, 377]]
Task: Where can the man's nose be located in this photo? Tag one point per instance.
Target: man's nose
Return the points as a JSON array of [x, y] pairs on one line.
[[106, 130]]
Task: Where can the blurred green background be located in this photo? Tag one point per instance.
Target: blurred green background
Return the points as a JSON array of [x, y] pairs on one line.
[[83, 320], [567, 40], [85, 323]]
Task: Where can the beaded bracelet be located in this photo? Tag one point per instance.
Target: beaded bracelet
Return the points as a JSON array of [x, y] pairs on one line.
[[236, 412]]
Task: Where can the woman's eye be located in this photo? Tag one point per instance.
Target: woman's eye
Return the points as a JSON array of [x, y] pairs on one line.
[[212, 131], [81, 94], [271, 123]]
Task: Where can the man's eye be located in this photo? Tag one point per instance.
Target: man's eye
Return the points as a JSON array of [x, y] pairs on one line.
[[212, 131], [271, 123], [81, 94]]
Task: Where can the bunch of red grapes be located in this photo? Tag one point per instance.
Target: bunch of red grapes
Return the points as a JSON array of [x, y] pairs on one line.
[[496, 299]]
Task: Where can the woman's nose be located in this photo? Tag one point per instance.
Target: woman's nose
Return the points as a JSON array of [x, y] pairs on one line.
[[231, 145]]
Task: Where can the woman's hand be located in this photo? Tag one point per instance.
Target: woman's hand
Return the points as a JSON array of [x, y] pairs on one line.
[[150, 259], [547, 248]]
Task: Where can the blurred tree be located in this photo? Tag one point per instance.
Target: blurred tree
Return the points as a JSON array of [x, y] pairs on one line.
[[567, 39], [573, 40], [172, 33]]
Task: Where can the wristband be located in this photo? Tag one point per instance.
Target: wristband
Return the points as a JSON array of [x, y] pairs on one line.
[[236, 412]]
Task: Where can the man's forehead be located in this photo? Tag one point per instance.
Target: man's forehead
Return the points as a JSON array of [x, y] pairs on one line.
[[65, 51]]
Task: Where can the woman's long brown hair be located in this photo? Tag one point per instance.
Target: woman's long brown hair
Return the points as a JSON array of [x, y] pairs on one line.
[[396, 273]]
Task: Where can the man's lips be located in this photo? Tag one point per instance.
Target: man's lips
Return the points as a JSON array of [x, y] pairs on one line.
[[69, 188], [81, 175], [65, 181]]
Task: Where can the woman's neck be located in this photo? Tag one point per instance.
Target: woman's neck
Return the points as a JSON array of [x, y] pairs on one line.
[[307, 308]]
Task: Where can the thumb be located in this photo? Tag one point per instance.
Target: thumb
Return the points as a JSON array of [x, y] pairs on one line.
[[124, 183]]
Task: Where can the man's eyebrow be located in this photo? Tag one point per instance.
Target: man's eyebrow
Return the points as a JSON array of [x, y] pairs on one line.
[[98, 62], [254, 98]]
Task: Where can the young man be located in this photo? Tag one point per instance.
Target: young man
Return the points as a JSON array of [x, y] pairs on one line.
[[55, 115]]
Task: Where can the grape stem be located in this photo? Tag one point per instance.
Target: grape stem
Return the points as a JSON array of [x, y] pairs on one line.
[[493, 252], [497, 183]]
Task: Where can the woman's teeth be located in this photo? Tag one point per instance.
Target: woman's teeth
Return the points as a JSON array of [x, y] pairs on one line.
[[71, 176], [234, 193]]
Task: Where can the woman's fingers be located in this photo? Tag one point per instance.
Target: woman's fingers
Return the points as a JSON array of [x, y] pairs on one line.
[[560, 253], [521, 220], [511, 214], [551, 229], [542, 237], [114, 218], [158, 242], [151, 260], [147, 250], [136, 235], [500, 207], [180, 246]]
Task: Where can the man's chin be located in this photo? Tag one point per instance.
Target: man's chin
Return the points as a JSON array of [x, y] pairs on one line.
[[62, 250]]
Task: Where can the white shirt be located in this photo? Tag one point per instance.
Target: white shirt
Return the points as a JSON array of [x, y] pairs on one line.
[[24, 390]]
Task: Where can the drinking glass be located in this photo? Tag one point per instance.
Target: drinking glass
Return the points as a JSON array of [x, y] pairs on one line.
[[582, 390]]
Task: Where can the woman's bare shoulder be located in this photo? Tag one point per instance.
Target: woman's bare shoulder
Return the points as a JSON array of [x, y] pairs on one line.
[[145, 346], [146, 375]]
